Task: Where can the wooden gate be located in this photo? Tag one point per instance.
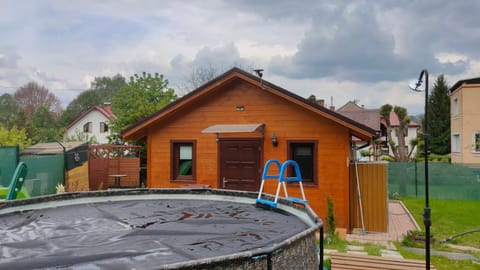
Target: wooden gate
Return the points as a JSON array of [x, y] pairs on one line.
[[373, 186], [104, 161]]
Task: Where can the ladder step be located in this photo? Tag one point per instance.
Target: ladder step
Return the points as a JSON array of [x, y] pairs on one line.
[[269, 203], [297, 200]]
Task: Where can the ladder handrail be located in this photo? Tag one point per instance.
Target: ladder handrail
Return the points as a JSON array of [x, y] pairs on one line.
[[298, 175], [281, 181], [267, 166]]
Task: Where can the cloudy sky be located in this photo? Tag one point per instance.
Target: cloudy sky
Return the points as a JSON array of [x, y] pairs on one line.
[[364, 50]]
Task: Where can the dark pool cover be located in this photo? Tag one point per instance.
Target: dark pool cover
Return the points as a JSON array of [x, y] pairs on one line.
[[138, 234]]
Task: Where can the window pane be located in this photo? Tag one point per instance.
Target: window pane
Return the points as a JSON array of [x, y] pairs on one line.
[[182, 161], [185, 152], [302, 153]]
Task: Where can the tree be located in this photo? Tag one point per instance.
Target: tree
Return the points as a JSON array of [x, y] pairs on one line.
[[8, 110], [31, 96], [14, 136], [200, 75], [439, 117], [142, 96], [45, 125], [400, 151], [102, 90]]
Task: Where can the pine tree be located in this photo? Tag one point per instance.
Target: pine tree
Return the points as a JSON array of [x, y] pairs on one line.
[[439, 117]]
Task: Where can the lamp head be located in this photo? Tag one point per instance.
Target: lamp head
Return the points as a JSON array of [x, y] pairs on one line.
[[416, 86]]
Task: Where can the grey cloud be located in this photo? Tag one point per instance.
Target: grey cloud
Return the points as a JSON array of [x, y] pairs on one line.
[[357, 41], [219, 58]]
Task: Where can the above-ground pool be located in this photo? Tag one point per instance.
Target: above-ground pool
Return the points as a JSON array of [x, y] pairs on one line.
[[156, 229]]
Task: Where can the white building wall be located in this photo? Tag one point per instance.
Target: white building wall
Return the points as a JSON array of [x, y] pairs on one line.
[[96, 118], [412, 134]]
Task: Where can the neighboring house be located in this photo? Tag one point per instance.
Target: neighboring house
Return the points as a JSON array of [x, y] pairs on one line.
[[465, 121], [412, 133], [373, 119], [370, 118], [92, 124], [221, 134]]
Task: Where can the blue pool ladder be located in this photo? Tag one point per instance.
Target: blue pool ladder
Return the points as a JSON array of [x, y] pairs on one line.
[[281, 182]]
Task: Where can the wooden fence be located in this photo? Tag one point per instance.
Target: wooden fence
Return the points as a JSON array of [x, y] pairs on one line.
[[372, 179], [107, 160]]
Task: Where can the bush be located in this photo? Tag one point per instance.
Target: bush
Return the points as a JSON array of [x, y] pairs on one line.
[[331, 226]]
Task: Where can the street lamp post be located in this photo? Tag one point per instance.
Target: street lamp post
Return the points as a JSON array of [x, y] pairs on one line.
[[426, 211]]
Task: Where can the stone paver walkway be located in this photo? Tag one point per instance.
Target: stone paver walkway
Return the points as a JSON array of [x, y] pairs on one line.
[[399, 223]]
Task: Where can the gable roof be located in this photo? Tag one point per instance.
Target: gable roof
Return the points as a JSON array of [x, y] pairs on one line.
[[105, 111], [462, 82], [368, 117], [138, 130], [395, 122], [350, 106]]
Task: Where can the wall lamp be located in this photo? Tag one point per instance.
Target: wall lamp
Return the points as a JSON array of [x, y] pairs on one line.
[[274, 140]]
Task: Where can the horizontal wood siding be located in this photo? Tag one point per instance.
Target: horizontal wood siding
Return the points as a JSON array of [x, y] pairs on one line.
[[288, 121], [373, 186]]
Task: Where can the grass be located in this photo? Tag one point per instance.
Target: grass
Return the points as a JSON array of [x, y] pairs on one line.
[[440, 262], [449, 217], [341, 246]]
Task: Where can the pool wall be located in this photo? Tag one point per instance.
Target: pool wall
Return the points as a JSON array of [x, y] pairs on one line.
[[297, 252]]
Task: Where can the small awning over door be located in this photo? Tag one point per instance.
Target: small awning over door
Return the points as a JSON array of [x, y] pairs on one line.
[[235, 128]]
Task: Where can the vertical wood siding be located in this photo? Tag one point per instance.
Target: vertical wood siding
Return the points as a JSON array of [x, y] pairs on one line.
[[373, 186]]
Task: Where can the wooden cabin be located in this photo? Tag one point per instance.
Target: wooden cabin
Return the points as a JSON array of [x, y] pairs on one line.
[[222, 133]]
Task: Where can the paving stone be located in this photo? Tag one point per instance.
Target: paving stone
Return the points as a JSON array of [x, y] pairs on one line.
[[357, 252], [355, 248], [329, 251], [390, 254]]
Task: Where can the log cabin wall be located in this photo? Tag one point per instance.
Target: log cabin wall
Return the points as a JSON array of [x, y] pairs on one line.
[[287, 120]]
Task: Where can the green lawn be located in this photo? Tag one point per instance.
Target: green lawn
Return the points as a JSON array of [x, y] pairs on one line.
[[449, 217], [440, 262]]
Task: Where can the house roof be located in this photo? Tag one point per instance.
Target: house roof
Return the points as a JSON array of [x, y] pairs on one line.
[[350, 106], [106, 111], [462, 82], [395, 122], [368, 117], [138, 130], [50, 148]]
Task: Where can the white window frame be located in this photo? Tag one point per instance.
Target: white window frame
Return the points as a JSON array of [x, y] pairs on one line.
[[455, 107], [456, 144]]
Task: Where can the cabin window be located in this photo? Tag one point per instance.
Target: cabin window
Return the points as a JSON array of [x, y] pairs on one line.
[[103, 127], [87, 128], [305, 154], [183, 160]]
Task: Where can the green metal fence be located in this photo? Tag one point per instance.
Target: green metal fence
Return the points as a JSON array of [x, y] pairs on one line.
[[8, 163], [44, 173], [446, 181]]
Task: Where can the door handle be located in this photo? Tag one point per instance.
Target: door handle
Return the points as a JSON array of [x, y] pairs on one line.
[[224, 182]]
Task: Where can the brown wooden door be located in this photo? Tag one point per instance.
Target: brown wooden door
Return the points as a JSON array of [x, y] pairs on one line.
[[240, 164]]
